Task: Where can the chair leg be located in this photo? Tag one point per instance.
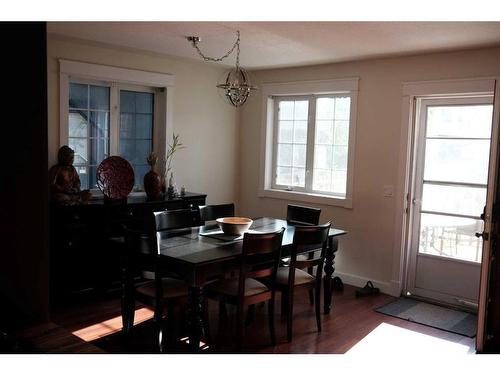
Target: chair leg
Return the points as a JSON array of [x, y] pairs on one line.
[[311, 297], [160, 335], [170, 324], [289, 321], [222, 311], [206, 322], [127, 303], [250, 315], [318, 306], [128, 315], [284, 303], [272, 330], [310, 270], [240, 324], [158, 318]]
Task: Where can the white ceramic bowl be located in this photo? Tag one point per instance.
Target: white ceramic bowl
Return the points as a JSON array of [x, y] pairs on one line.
[[234, 225]]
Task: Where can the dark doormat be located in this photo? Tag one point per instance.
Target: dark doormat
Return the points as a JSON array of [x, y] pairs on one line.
[[443, 318]]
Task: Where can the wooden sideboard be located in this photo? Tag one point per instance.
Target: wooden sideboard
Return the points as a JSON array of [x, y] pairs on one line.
[[83, 255]]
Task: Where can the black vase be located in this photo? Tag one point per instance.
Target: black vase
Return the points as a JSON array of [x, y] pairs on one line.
[[152, 185]]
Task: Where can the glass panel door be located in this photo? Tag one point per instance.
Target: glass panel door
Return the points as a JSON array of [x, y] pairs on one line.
[[451, 161], [455, 171]]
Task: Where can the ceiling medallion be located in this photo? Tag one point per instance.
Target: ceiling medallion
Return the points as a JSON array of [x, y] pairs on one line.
[[236, 86]]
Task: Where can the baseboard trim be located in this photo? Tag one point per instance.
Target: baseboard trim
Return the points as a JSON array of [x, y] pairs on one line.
[[392, 287]]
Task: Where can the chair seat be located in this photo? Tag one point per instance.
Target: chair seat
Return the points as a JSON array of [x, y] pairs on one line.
[[172, 288], [230, 287], [301, 277]]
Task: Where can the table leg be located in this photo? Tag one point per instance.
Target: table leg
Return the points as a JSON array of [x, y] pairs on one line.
[[127, 302], [195, 317], [329, 269]]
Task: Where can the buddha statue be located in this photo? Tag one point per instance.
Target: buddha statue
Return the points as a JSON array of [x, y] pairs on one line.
[[65, 182]]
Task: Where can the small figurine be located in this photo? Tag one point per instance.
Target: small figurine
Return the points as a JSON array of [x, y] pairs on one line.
[[65, 182]]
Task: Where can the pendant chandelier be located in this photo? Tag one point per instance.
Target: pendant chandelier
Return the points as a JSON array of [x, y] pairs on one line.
[[236, 86]]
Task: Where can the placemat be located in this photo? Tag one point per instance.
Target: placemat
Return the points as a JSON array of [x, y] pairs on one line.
[[220, 235]]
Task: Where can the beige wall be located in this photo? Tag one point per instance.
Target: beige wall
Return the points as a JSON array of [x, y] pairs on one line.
[[222, 158], [368, 251], [206, 124]]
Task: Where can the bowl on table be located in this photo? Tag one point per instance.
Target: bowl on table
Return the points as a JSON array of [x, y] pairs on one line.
[[235, 226]]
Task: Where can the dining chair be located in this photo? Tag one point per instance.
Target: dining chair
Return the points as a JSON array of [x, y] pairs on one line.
[[259, 259], [292, 278], [210, 213], [302, 215], [215, 211], [142, 254]]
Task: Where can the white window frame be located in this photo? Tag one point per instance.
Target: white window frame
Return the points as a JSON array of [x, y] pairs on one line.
[[300, 90], [119, 79]]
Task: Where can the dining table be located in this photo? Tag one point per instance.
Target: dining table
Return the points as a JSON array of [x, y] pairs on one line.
[[200, 254]]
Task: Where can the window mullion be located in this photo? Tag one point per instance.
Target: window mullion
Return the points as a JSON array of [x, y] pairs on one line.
[[114, 119], [311, 125]]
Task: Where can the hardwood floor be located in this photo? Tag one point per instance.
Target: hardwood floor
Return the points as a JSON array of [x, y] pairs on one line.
[[95, 327]]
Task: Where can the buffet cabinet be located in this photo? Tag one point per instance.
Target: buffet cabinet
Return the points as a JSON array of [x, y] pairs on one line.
[[85, 245]]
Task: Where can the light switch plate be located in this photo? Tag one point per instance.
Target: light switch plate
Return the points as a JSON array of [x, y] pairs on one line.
[[388, 190]]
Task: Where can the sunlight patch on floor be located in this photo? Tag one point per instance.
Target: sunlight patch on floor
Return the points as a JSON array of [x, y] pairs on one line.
[[396, 340], [110, 326]]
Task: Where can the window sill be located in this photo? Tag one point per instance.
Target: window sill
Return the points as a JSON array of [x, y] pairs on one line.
[[305, 197]]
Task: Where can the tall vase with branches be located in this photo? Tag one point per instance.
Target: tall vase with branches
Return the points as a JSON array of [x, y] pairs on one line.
[[175, 146]]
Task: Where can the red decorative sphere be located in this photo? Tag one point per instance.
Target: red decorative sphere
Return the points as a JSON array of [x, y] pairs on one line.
[[115, 177]]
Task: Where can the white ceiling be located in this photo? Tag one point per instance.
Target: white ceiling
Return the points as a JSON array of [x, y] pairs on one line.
[[280, 44]]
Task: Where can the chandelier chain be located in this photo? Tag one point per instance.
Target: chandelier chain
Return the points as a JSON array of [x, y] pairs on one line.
[[215, 59], [238, 51], [236, 85]]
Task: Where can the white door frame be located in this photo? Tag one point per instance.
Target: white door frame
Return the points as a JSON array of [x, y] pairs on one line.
[[411, 90]]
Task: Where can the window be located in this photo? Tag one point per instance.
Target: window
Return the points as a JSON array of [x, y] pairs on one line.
[[323, 150], [309, 141], [112, 111], [291, 146], [88, 122], [136, 129]]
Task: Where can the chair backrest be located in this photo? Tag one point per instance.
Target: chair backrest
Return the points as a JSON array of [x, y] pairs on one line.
[[142, 235], [139, 247], [137, 238], [260, 256], [300, 215], [309, 238], [174, 219], [167, 221], [215, 211]]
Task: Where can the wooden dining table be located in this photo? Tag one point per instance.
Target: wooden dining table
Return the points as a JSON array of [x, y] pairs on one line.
[[200, 254]]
